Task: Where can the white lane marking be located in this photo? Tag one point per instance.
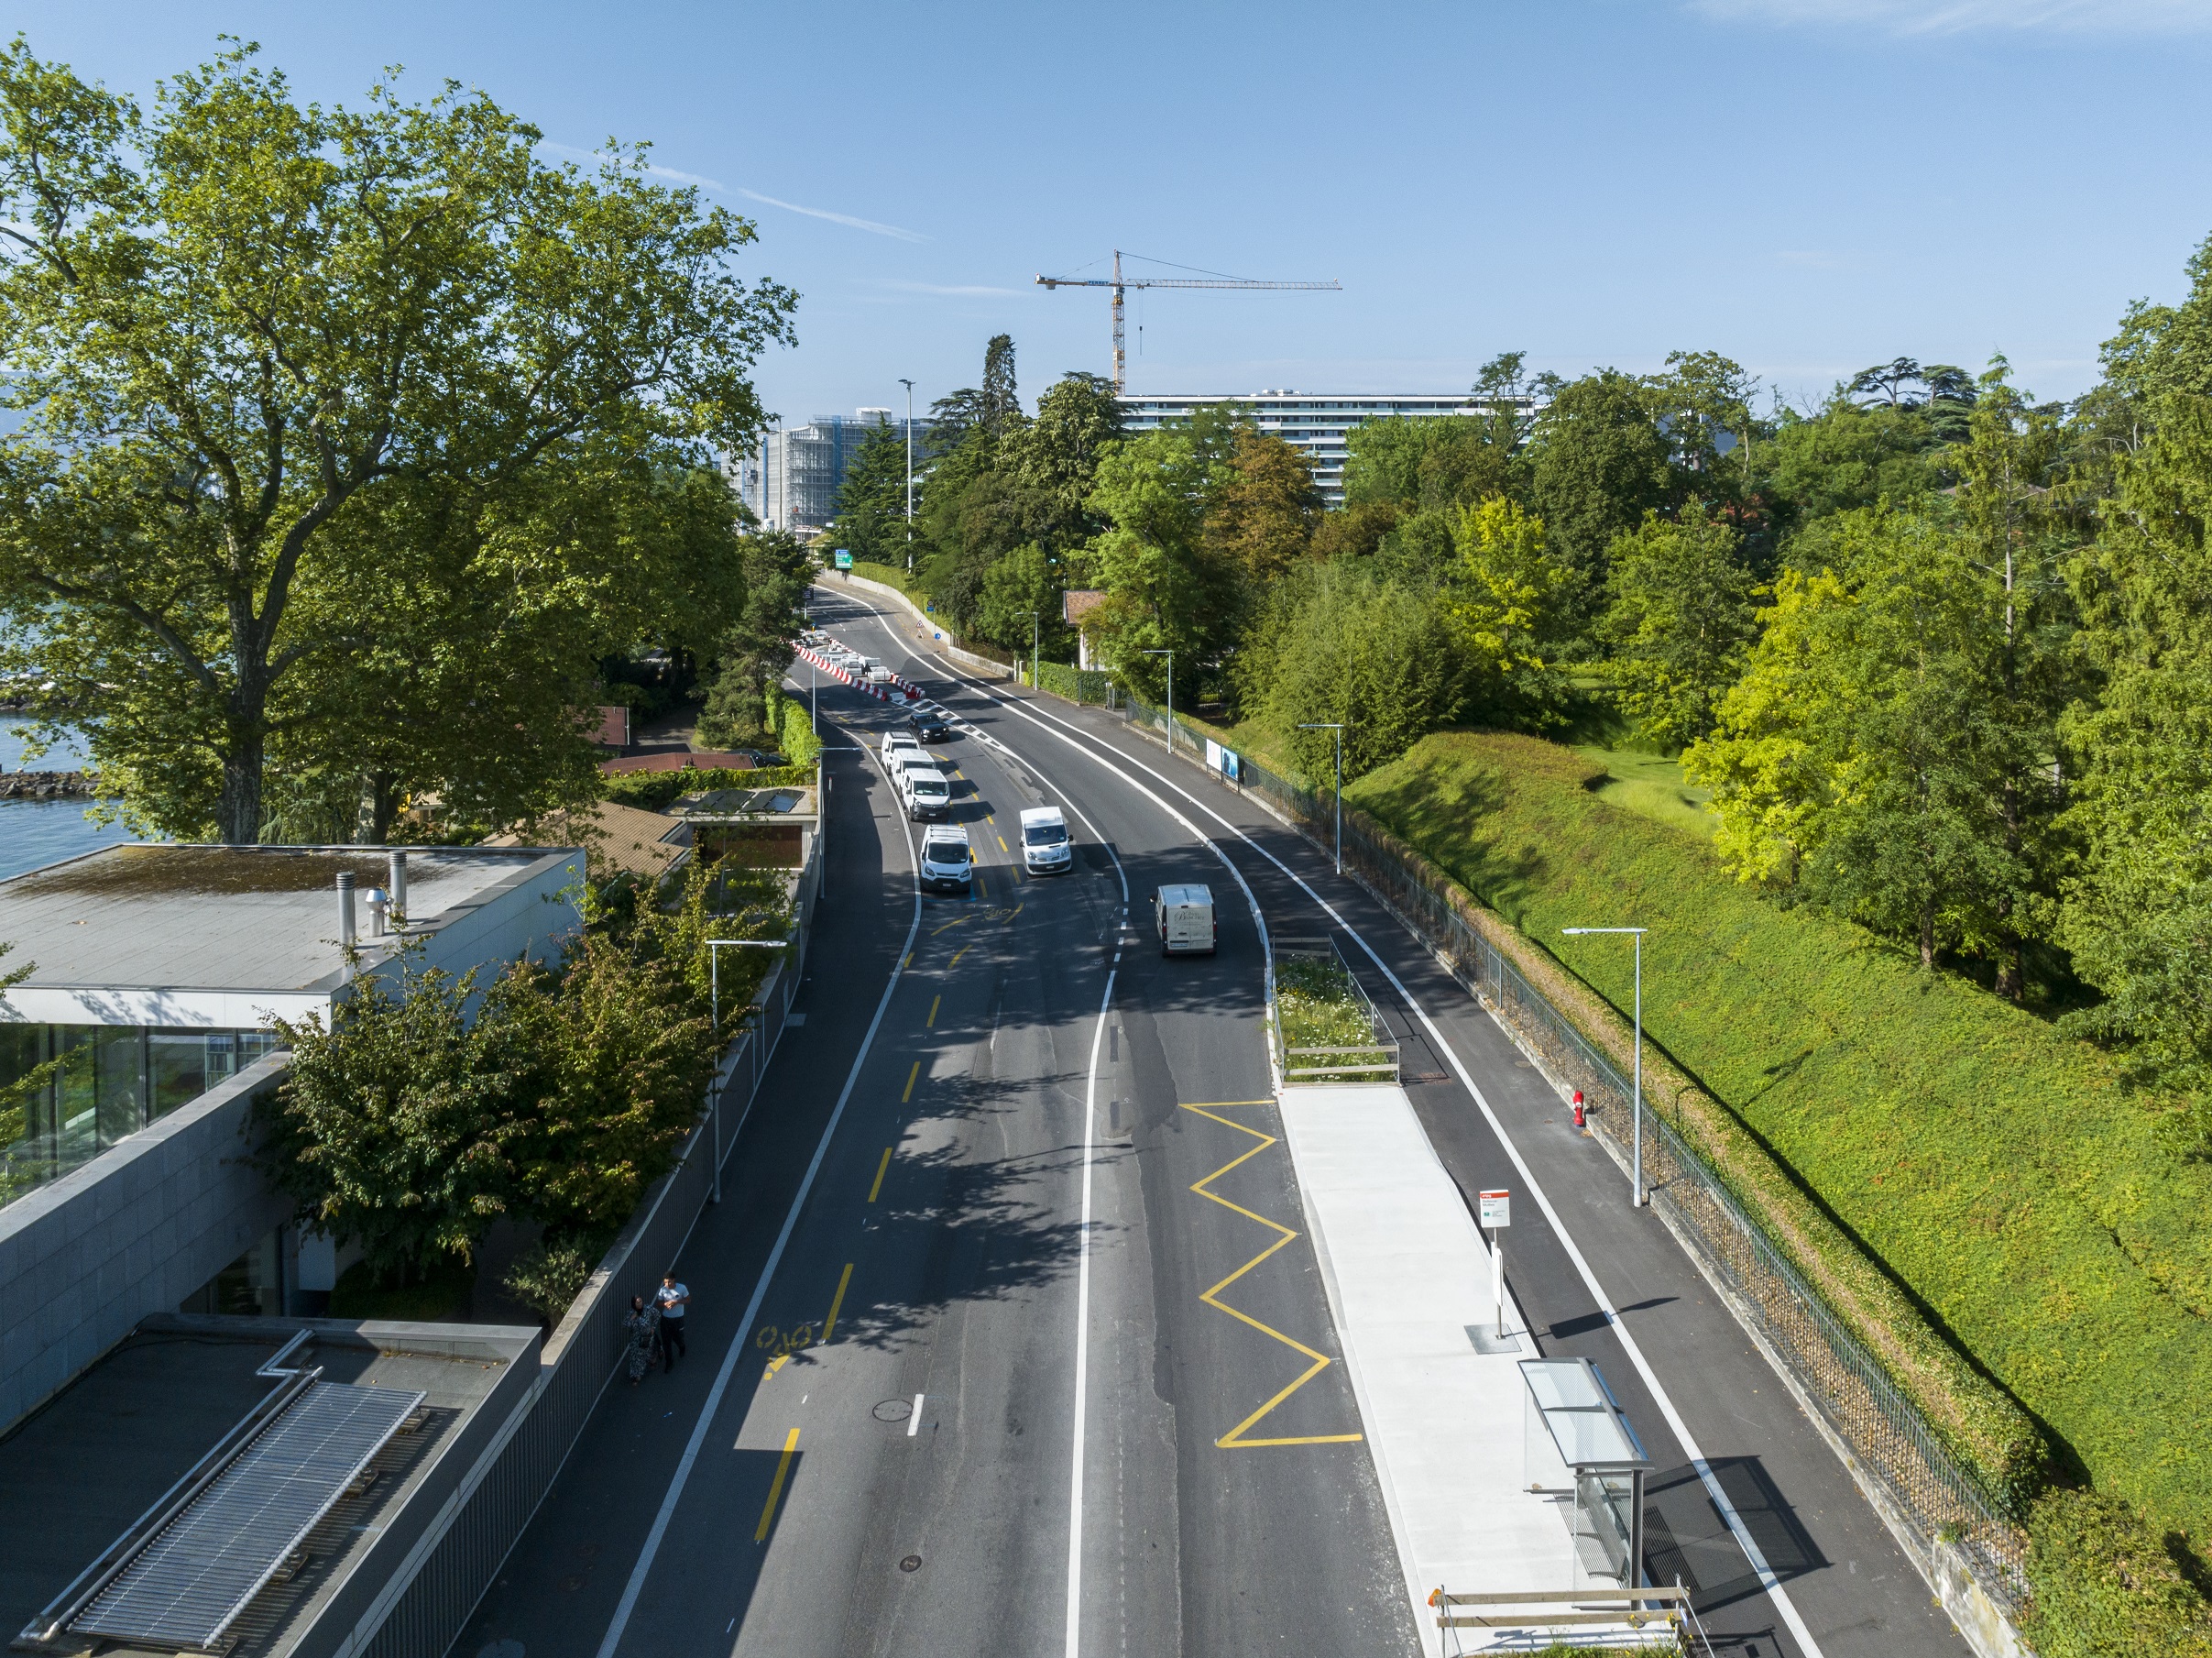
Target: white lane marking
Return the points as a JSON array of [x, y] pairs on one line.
[[913, 1422], [753, 1309], [1753, 1553], [1082, 1336], [1735, 1520]]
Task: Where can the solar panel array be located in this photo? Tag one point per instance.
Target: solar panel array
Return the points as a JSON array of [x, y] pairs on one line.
[[197, 1574]]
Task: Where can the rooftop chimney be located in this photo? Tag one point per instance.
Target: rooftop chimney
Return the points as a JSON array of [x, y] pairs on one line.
[[345, 909]]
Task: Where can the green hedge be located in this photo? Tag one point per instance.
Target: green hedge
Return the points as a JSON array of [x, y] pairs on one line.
[[2003, 1173], [1076, 685]]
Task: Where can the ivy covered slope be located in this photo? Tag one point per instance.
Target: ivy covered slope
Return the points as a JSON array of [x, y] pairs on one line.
[[2001, 1170]]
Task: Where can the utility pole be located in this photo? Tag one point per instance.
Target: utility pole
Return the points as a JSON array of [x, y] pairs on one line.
[[1637, 1174], [1339, 729], [909, 385]]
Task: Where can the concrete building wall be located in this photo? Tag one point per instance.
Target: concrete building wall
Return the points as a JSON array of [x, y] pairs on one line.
[[133, 1232]]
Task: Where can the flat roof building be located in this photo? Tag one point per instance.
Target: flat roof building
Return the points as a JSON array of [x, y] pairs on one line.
[[792, 481], [1315, 422]]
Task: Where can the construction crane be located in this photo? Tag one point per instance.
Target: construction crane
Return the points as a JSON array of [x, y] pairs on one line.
[[1119, 283]]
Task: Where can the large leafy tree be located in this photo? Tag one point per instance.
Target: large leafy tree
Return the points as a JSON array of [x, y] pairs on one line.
[[236, 322], [1681, 622], [1165, 588], [1600, 463], [1261, 519], [872, 501]]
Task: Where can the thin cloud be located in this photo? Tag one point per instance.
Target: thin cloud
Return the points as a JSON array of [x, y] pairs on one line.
[[1903, 17], [955, 289], [703, 182]]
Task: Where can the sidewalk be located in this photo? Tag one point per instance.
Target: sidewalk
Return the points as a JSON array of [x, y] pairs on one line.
[[1409, 1282]]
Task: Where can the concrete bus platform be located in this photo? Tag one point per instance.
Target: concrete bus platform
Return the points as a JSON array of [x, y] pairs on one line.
[[1408, 1277]]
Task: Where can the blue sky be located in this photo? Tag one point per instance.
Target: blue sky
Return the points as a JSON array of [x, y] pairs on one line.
[[1806, 185]]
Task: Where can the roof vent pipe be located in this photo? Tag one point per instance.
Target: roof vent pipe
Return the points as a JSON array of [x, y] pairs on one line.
[[397, 887], [345, 909]]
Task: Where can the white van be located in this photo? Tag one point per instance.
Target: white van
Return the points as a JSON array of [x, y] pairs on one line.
[[1184, 915], [896, 743], [926, 791], [1045, 849], [947, 865]]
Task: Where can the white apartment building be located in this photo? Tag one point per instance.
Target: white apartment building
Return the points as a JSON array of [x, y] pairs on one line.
[[1315, 424]]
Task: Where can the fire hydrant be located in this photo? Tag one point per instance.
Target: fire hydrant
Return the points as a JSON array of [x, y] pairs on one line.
[[1579, 1121]]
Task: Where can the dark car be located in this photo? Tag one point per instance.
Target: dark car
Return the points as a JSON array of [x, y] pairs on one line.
[[928, 727]]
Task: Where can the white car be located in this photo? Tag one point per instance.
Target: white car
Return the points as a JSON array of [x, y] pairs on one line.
[[948, 864], [1046, 848], [925, 792]]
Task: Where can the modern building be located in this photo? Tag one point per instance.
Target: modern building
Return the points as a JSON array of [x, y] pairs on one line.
[[1317, 423], [792, 482]]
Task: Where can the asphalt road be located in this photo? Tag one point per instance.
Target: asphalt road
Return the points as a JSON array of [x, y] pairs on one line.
[[892, 1450], [1834, 1581]]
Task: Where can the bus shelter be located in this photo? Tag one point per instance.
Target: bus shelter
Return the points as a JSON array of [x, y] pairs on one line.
[[1580, 1450]]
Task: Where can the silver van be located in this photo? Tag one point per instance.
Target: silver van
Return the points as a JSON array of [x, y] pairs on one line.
[[1183, 915]]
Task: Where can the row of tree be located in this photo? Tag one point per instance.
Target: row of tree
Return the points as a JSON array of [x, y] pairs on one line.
[[343, 447], [1943, 654]]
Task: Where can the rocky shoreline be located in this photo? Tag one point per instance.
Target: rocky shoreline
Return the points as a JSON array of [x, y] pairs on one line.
[[46, 785]]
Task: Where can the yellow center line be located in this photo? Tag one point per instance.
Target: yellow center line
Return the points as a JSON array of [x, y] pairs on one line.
[[909, 1093], [1003, 847], [981, 885], [908, 962], [932, 1021], [883, 1167], [775, 1487], [1234, 1439], [837, 1301]]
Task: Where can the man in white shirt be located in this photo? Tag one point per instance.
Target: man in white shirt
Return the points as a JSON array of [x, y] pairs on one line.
[[672, 1297]]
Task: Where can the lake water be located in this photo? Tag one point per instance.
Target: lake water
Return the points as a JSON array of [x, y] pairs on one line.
[[34, 833]]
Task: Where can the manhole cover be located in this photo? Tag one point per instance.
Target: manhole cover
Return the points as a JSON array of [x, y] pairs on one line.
[[893, 1410], [913, 1563]]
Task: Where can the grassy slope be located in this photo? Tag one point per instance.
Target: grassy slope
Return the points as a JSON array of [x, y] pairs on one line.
[[1998, 1169]]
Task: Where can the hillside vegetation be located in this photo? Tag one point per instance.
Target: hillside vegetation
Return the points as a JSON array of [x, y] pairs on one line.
[[2001, 1170]]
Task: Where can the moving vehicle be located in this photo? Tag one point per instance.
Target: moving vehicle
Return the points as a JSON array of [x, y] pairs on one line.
[[1045, 849], [929, 726], [1183, 918], [896, 742], [878, 673], [947, 862], [926, 791]]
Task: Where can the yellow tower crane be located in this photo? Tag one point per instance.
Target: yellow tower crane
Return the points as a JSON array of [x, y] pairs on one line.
[[1119, 283]]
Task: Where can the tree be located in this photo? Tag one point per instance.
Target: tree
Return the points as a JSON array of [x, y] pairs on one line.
[[1164, 588], [1025, 580], [236, 322], [1682, 621], [2138, 915], [1507, 590], [872, 501], [1844, 457], [1870, 759], [1262, 517], [1057, 455], [1600, 464], [1350, 647], [759, 647]]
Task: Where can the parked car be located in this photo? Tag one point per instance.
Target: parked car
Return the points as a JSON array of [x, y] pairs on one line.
[[1045, 849], [1183, 918], [948, 864], [929, 726]]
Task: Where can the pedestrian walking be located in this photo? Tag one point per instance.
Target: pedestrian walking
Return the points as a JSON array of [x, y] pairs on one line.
[[643, 1327], [671, 1303]]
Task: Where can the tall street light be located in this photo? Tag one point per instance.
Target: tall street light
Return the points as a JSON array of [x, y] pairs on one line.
[[1170, 655], [909, 385], [1320, 726], [1636, 1176]]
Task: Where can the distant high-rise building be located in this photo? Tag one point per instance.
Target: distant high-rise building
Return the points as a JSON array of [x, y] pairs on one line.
[[790, 482], [1318, 424]]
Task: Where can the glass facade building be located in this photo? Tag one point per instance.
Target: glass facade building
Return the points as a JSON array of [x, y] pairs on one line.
[[106, 1082]]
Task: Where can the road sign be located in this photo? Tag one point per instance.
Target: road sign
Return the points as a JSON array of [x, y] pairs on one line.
[[844, 559], [1497, 1208]]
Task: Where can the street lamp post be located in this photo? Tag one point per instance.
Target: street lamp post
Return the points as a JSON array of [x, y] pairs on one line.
[[1339, 729], [1636, 1156], [909, 385], [1170, 655]]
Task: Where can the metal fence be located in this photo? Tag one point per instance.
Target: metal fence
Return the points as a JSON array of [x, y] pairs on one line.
[[1937, 1496], [1373, 1060]]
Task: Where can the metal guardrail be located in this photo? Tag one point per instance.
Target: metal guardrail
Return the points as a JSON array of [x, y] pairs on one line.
[[1938, 1497], [1374, 1062]]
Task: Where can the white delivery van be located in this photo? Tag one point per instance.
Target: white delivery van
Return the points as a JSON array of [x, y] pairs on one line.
[[1184, 915], [926, 791], [896, 743], [1045, 849], [947, 866]]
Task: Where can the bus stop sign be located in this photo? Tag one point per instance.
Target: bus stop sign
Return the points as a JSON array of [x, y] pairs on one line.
[[1497, 1208]]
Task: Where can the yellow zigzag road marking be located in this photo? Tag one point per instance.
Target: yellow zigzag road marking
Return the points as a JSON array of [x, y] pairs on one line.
[[1234, 1439]]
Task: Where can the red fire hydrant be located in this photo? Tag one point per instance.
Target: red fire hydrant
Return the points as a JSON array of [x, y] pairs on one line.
[[1578, 1120]]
